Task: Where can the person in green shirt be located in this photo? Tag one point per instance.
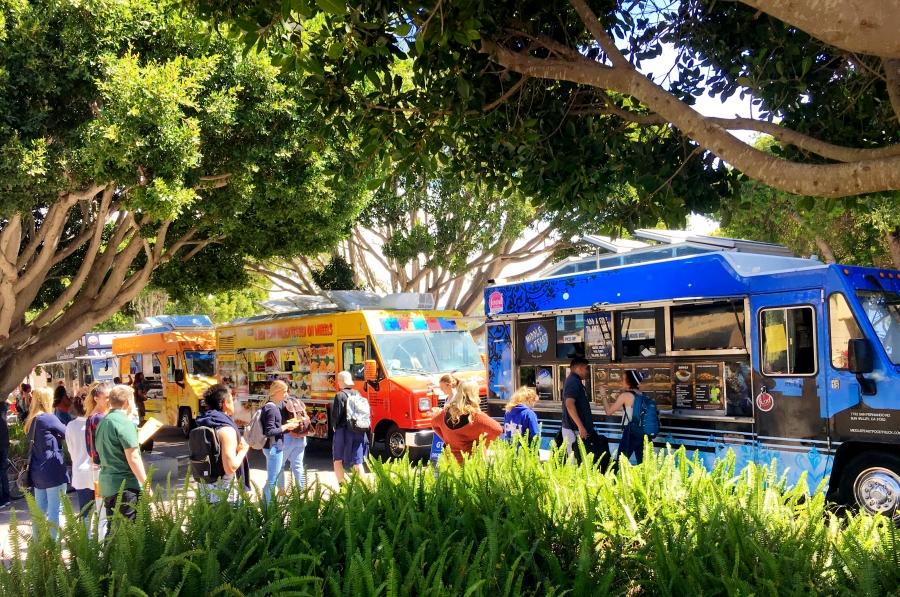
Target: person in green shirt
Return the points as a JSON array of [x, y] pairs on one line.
[[120, 455]]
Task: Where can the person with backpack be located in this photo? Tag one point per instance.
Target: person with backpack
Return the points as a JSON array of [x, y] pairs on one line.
[[218, 452], [351, 420], [23, 402], [273, 429], [295, 440], [640, 418]]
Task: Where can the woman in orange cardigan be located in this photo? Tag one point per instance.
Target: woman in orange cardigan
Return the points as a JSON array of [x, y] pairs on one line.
[[462, 423]]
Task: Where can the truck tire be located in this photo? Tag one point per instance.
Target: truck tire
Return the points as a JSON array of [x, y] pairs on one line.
[[871, 482], [395, 441], [186, 421]]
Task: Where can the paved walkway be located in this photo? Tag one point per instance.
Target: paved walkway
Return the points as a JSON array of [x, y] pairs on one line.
[[171, 443]]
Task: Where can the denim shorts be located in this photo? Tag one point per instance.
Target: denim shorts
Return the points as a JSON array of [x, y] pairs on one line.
[[349, 447]]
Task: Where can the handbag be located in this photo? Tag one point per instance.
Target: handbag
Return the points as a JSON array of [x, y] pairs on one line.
[[24, 481]]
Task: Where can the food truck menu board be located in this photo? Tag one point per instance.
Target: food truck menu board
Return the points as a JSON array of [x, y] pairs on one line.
[[322, 368], [597, 336], [302, 382], [681, 386], [318, 415]]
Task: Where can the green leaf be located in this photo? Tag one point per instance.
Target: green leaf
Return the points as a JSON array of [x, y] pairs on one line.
[[374, 184], [302, 7], [402, 30], [462, 86], [335, 51], [805, 65], [333, 7], [744, 81], [420, 45], [372, 76], [285, 9]]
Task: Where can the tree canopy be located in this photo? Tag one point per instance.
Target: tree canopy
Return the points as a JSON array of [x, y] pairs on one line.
[[554, 99], [134, 149]]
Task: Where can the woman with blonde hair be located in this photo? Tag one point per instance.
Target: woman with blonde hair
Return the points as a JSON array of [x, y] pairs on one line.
[[274, 430], [462, 423], [49, 474], [520, 418]]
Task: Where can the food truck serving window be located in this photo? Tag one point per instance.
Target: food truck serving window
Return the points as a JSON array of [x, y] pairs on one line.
[[842, 327], [640, 332], [200, 363], [717, 326], [787, 341]]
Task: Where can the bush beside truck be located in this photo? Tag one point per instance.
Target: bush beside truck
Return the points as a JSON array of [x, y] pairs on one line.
[[509, 526]]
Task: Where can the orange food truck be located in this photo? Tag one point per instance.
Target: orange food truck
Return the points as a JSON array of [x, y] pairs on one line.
[[177, 356], [403, 343]]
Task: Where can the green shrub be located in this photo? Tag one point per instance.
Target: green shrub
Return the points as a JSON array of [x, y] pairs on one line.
[[507, 526]]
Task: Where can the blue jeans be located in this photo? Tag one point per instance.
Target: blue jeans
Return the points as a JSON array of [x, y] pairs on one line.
[[85, 499], [4, 480], [50, 502], [274, 472], [294, 449]]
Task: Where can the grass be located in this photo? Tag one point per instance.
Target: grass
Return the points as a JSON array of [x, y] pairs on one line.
[[510, 526]]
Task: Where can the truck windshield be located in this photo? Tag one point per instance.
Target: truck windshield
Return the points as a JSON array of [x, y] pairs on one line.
[[883, 311], [200, 363], [428, 352]]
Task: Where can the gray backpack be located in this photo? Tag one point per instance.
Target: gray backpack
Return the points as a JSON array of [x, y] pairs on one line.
[[253, 432]]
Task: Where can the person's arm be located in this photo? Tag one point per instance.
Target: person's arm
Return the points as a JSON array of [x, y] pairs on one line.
[[573, 413], [338, 409], [624, 399], [531, 422], [133, 456], [492, 429], [233, 451], [56, 427], [437, 423]]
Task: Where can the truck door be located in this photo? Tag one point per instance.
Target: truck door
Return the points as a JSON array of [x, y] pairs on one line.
[[500, 361], [788, 333], [841, 385]]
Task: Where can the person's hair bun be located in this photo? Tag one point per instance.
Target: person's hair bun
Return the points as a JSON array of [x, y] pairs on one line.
[[636, 377]]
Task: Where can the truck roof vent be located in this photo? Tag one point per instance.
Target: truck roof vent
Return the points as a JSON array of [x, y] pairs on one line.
[[408, 301]]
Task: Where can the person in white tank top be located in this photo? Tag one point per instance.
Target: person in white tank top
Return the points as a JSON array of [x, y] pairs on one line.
[[629, 444]]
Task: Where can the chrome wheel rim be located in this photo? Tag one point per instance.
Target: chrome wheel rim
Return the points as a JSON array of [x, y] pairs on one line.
[[877, 490], [396, 444], [185, 423]]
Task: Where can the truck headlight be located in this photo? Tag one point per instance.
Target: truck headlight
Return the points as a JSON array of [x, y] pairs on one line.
[[424, 404]]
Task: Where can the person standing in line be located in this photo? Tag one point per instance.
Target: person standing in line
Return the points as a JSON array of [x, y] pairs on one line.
[[219, 409], [4, 455], [577, 420], [62, 404], [120, 456], [462, 424], [520, 418], [49, 474], [448, 385], [82, 475], [24, 403], [349, 448], [96, 406], [295, 442], [140, 396], [274, 430], [630, 443]]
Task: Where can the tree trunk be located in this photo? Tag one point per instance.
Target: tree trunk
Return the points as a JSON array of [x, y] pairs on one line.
[[864, 26]]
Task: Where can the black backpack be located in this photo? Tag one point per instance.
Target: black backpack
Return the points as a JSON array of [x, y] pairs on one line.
[[206, 455]]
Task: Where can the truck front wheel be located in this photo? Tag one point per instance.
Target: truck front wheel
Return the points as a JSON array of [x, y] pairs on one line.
[[871, 481], [395, 441], [186, 421]]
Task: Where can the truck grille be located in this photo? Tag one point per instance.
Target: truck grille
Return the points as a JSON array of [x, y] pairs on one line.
[[483, 404]]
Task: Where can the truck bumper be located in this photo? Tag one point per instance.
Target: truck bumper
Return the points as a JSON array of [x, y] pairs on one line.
[[419, 439]]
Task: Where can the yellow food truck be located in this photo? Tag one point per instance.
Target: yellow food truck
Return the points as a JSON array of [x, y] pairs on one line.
[[177, 356], [404, 343]]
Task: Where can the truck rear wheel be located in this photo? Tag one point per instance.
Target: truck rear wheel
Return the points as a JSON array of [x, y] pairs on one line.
[[871, 481], [186, 421], [395, 441]]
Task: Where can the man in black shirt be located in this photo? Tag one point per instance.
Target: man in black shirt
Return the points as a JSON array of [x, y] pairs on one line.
[[577, 420]]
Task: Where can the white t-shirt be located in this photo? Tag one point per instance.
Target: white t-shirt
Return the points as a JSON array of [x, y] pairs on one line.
[[82, 477]]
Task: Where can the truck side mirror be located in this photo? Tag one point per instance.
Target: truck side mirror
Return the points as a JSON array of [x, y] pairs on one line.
[[179, 375], [859, 356], [370, 370], [860, 360]]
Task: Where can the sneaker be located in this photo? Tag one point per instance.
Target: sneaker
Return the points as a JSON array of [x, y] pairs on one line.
[[4, 505]]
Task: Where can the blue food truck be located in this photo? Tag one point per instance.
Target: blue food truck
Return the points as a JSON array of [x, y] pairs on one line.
[[743, 348]]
